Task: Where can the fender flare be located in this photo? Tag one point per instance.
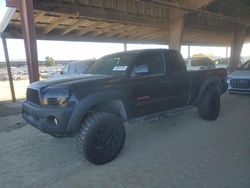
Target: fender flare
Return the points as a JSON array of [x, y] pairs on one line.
[[213, 80], [88, 102]]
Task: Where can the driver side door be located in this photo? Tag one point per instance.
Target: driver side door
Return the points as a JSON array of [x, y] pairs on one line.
[[147, 84]]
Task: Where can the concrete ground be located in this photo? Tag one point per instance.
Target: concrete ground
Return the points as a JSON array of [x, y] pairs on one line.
[[182, 151], [10, 108]]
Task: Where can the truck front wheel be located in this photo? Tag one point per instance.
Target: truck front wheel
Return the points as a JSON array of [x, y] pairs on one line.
[[101, 137], [209, 106]]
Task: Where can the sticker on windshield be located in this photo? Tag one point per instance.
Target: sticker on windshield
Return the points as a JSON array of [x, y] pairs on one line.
[[120, 68]]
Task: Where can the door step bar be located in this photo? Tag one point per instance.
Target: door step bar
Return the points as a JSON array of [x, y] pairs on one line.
[[155, 117]]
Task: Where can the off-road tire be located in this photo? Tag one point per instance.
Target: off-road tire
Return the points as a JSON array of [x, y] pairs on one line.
[[209, 106], [100, 137]]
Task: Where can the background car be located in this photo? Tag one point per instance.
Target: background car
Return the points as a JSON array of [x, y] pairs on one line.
[[239, 81], [4, 76], [222, 63], [77, 67], [21, 76], [199, 64], [46, 74]]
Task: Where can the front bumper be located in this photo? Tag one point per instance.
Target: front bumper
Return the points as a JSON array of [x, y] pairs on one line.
[[43, 118], [240, 91]]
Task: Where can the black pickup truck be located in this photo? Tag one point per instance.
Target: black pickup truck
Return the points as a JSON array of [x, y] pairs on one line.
[[119, 88]]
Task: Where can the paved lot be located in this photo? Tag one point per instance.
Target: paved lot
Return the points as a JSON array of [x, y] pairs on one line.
[[182, 151], [9, 108]]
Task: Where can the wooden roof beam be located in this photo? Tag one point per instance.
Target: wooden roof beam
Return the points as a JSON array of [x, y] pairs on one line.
[[142, 32], [154, 34], [55, 24], [92, 27], [160, 36], [75, 25], [124, 29], [95, 13], [39, 16], [108, 28], [127, 33]]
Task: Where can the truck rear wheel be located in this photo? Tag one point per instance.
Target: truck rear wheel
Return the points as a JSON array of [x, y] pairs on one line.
[[101, 137], [209, 106]]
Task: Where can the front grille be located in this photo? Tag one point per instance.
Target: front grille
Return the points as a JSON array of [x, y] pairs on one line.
[[240, 83], [32, 96]]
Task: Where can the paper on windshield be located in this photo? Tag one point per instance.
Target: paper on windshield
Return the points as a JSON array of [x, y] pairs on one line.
[[120, 68]]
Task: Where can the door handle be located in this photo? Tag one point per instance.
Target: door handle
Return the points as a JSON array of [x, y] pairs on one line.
[[165, 81]]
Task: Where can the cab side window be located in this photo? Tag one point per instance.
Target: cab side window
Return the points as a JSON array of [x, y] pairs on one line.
[[81, 68], [175, 61], [149, 64]]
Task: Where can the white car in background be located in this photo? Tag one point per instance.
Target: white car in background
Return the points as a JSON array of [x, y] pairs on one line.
[[21, 76], [239, 81], [222, 63], [4, 77], [199, 64], [46, 74]]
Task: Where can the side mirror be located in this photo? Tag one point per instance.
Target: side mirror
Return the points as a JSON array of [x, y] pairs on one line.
[[141, 70]]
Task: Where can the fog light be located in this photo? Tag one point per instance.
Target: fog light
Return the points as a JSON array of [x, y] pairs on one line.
[[56, 121], [53, 121]]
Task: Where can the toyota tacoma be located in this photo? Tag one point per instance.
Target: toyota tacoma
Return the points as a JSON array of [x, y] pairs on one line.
[[120, 88]]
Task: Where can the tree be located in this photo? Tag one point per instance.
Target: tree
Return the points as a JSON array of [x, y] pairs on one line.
[[50, 61]]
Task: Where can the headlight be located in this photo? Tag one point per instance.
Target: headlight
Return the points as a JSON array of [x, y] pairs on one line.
[[55, 96]]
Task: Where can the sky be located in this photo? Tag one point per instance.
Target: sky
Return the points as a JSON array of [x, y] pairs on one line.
[[2, 8], [60, 50]]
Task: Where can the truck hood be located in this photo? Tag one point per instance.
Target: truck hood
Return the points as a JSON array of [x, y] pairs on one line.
[[240, 74], [67, 79]]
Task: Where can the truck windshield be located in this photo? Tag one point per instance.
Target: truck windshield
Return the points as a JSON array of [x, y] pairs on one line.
[[115, 64]]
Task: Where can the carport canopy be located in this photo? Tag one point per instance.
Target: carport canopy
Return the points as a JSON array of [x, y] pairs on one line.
[[173, 22]]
